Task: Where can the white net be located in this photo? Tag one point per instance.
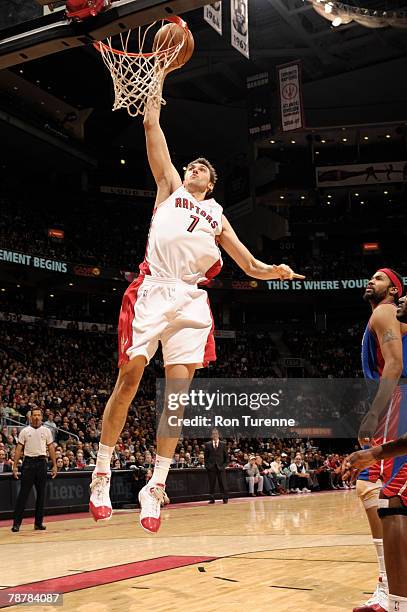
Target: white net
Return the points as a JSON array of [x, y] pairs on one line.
[[138, 77]]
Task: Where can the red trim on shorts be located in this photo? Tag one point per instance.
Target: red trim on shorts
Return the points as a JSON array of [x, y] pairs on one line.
[[210, 348], [126, 317], [393, 487]]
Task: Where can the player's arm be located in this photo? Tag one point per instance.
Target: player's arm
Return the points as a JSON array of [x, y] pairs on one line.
[[165, 174], [365, 458], [229, 240], [387, 330]]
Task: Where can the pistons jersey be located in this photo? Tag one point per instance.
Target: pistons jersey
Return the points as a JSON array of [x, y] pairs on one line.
[[393, 422], [182, 241], [372, 358]]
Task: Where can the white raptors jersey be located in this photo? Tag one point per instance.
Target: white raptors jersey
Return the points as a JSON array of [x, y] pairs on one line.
[[182, 239]]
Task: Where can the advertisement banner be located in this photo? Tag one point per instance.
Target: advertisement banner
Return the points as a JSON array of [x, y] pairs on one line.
[[31, 261], [290, 89], [213, 16], [239, 14], [362, 174]]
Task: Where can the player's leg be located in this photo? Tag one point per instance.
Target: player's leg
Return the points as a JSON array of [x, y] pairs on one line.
[[395, 547], [368, 493], [184, 341], [152, 495], [114, 418], [393, 513], [142, 319]]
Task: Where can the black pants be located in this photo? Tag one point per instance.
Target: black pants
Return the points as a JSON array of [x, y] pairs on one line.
[[33, 472], [220, 475]]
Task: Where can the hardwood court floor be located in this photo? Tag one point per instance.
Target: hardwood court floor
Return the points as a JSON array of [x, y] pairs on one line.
[[309, 552]]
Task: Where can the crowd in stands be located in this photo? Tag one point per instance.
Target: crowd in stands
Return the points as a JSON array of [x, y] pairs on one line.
[[331, 353], [119, 242], [70, 374]]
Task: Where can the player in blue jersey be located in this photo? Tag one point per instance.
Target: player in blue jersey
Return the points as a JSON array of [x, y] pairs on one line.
[[393, 498], [384, 359]]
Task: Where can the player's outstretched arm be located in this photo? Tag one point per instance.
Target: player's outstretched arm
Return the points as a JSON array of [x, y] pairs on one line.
[[165, 174], [247, 262], [364, 458]]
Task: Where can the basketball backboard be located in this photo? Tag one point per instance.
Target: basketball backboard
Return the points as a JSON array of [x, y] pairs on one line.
[[34, 31]]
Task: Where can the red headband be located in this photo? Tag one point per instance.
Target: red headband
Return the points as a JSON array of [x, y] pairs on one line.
[[396, 282]]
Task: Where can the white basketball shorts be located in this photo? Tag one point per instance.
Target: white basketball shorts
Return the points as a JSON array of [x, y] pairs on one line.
[[169, 311]]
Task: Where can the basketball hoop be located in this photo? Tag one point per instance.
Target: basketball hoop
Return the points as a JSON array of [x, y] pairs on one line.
[[138, 77]]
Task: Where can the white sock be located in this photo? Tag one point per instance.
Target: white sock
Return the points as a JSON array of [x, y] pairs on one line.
[[161, 469], [397, 603], [380, 558], [103, 459]]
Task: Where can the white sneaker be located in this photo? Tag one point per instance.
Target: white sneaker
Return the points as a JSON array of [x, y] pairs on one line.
[[151, 498], [378, 602], [305, 490], [345, 486], [298, 491], [100, 505]]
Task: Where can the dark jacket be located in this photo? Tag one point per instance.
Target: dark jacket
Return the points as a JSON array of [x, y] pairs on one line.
[[216, 457]]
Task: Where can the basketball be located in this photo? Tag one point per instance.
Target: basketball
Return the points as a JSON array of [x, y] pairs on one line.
[[170, 35]]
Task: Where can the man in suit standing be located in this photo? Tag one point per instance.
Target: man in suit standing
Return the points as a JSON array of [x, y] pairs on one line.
[[216, 459]]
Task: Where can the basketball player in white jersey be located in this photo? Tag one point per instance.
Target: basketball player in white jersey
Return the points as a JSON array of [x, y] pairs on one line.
[[165, 304]]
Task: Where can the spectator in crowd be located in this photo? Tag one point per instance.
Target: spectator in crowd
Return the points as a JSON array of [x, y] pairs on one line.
[[269, 484], [253, 476], [299, 476], [66, 464], [51, 424], [276, 470], [4, 464]]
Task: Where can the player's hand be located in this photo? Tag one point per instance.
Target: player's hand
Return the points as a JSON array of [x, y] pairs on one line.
[[284, 272], [54, 471], [15, 473], [359, 460]]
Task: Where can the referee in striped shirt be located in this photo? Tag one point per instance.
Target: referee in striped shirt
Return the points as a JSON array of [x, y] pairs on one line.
[[34, 440]]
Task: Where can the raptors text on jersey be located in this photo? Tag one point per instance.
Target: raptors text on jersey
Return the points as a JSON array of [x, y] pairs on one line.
[[182, 241]]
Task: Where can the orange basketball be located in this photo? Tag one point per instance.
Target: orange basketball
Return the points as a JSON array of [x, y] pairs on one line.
[[170, 35]]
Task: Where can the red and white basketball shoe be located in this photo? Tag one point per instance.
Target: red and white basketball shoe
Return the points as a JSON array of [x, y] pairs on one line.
[[151, 498], [100, 505], [379, 601]]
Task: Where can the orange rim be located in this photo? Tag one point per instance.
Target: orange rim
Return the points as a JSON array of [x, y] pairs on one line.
[[183, 24]]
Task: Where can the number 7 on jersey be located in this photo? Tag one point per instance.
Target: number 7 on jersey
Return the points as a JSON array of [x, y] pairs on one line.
[[194, 223]]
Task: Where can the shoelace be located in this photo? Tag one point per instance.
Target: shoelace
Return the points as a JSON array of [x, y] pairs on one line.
[[98, 484], [379, 591], [160, 495]]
